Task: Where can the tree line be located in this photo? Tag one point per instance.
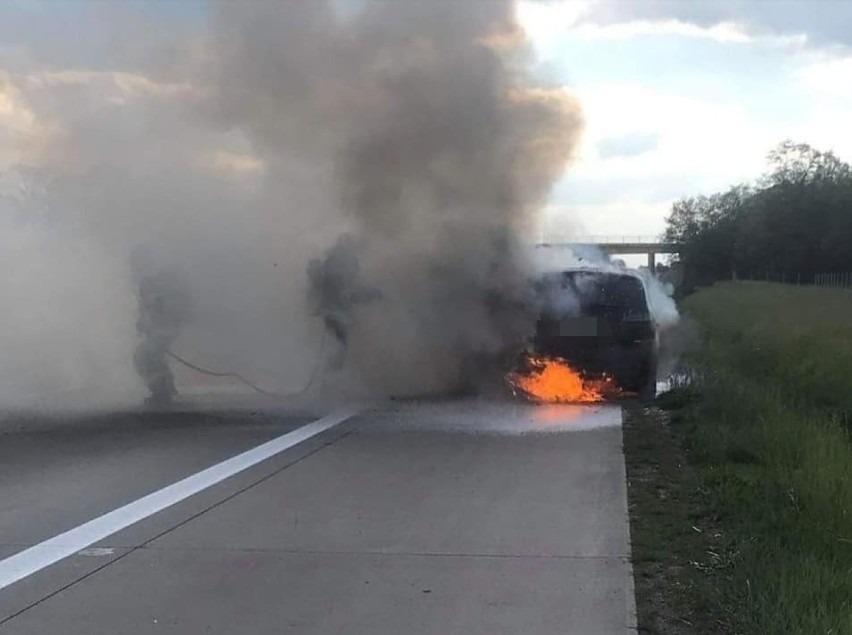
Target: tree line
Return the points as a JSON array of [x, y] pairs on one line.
[[795, 222]]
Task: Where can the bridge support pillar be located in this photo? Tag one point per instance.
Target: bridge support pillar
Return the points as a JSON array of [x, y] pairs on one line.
[[652, 262]]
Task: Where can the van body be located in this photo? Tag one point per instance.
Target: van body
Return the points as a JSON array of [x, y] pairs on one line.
[[599, 322]]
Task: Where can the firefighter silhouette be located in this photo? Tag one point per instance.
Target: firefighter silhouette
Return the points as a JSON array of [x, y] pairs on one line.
[[335, 291]]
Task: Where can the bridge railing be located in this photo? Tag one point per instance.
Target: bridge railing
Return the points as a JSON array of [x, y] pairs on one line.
[[593, 239]]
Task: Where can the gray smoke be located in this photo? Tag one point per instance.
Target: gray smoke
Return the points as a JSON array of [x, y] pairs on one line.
[[441, 149], [415, 127]]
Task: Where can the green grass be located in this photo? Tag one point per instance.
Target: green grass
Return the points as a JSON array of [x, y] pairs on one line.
[[764, 435], [797, 338]]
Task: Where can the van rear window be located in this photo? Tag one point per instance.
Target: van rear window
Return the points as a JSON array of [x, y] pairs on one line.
[[601, 294]]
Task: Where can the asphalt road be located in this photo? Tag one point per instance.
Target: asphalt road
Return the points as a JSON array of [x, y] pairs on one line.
[[441, 518]]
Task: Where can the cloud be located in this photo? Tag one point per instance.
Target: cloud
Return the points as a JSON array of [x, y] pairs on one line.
[[825, 77], [112, 84], [691, 133], [14, 113], [624, 216], [548, 22], [19, 124], [828, 75], [628, 145], [822, 23], [700, 145], [722, 32], [644, 148], [688, 97]]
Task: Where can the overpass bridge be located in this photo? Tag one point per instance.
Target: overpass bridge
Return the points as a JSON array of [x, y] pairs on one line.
[[620, 245]]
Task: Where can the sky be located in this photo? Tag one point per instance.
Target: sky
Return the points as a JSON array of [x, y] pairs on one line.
[[678, 98], [685, 98]]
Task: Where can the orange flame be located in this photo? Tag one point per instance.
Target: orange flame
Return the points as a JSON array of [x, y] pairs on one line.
[[554, 381]]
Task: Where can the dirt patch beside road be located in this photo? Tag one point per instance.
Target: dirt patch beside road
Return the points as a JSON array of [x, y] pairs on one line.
[[676, 543]]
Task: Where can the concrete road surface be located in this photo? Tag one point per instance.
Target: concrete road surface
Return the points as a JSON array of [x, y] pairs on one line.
[[441, 518]]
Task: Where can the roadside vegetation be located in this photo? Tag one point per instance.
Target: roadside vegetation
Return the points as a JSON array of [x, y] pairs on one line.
[[741, 481], [792, 225]]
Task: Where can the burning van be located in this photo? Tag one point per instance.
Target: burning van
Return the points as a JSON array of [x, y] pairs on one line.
[[599, 323]]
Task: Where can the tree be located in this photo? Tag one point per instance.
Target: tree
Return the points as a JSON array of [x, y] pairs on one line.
[[801, 164], [796, 221]]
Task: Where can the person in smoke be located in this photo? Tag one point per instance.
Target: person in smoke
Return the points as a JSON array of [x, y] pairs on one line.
[[164, 307], [335, 290]]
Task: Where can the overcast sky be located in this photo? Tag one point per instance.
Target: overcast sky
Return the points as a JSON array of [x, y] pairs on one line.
[[679, 98]]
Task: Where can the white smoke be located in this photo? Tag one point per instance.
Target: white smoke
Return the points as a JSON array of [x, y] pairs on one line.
[[549, 259], [67, 327]]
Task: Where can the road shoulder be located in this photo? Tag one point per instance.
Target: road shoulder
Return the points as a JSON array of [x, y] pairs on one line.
[[674, 537]]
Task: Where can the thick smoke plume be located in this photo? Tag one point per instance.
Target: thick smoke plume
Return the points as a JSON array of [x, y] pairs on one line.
[[414, 128]]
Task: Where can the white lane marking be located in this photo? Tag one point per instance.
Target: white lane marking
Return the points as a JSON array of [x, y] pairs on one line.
[[50, 551]]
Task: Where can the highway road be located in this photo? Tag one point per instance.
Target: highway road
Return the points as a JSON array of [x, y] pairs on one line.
[[442, 517]]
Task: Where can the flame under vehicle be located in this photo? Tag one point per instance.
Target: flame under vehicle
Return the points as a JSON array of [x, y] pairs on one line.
[[599, 322]]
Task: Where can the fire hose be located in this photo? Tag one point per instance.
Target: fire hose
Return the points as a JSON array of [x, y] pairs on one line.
[[235, 375]]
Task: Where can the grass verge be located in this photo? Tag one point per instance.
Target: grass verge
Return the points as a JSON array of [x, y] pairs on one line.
[[741, 485]]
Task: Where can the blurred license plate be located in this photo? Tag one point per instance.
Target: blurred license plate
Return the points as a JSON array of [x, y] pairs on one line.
[[583, 326]]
